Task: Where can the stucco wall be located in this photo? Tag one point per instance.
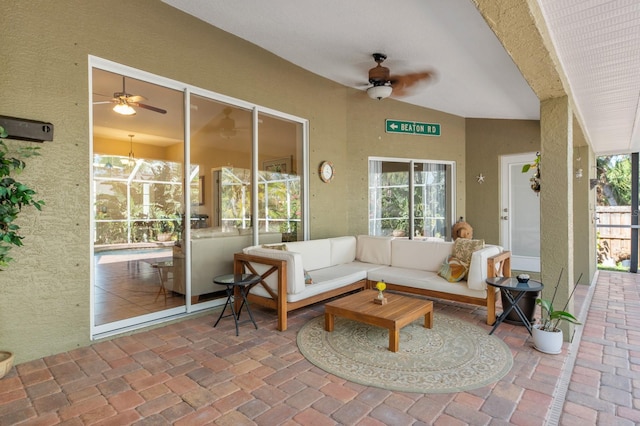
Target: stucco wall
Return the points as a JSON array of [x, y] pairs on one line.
[[584, 202], [367, 138], [44, 294], [487, 140]]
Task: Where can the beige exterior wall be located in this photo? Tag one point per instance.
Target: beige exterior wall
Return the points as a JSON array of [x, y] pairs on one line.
[[44, 294], [367, 138], [45, 309], [584, 202], [486, 141]]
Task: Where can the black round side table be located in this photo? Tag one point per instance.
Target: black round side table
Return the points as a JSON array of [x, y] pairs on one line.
[[243, 282], [513, 290]]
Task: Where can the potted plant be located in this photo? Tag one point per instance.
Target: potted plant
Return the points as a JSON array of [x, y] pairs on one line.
[[535, 178], [13, 197], [547, 336], [165, 229]]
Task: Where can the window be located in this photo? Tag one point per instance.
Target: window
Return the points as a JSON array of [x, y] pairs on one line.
[[406, 204]]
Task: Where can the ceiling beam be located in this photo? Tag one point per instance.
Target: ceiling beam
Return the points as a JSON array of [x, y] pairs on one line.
[[520, 27]]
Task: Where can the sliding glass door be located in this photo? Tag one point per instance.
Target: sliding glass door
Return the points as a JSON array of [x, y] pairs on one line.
[[177, 191]]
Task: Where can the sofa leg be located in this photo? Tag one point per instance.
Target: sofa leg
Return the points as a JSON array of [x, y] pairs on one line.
[[491, 306], [282, 322]]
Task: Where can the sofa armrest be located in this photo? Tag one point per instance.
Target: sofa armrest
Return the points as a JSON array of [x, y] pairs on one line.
[[478, 269], [268, 269], [295, 271], [499, 265]]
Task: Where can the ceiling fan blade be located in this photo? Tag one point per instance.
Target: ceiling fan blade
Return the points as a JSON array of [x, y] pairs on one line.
[[112, 101], [402, 84], [101, 94], [134, 98], [149, 107]]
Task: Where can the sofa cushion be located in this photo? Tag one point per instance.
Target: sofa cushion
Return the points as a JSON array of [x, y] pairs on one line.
[[316, 254], [424, 255], [423, 280], [343, 250], [452, 269], [372, 249], [326, 279]]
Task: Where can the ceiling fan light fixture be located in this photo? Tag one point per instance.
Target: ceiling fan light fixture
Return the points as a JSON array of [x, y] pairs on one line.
[[379, 92], [124, 108]]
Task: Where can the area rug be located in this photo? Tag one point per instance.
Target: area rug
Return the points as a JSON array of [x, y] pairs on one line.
[[453, 356]]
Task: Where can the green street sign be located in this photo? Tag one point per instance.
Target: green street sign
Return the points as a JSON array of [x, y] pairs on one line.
[[413, 127]]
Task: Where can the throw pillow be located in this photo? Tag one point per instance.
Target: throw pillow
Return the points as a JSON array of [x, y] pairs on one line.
[[307, 278], [453, 270], [464, 248], [282, 247]]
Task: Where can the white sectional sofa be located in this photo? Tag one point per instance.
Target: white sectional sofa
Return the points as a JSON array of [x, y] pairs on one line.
[[343, 264]]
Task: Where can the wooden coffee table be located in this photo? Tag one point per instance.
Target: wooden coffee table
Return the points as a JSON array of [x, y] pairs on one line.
[[395, 314]]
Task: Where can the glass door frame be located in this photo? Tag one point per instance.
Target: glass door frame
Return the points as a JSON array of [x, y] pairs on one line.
[[118, 327]]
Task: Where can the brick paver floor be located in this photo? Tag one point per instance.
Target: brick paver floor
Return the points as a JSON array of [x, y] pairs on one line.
[[189, 373], [605, 381]]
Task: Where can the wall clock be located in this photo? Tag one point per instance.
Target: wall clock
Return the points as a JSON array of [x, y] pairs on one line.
[[326, 171]]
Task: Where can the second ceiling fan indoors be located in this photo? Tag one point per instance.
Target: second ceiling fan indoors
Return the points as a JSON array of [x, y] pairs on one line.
[[125, 102]]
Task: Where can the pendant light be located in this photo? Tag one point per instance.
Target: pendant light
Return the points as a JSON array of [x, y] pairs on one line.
[[132, 159]]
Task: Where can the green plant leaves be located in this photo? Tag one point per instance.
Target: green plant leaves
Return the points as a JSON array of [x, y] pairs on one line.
[[549, 315], [14, 196]]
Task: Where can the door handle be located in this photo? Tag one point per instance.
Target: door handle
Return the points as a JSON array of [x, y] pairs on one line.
[[504, 217]]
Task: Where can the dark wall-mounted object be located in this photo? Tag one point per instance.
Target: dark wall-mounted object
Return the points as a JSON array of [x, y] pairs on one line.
[[27, 130]]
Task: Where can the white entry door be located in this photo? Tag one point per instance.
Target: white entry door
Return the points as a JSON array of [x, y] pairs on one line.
[[519, 213]]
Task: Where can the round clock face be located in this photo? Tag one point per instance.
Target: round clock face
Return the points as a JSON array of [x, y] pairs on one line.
[[326, 171]]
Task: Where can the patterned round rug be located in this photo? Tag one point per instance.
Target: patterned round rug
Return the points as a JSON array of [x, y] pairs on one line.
[[453, 356]]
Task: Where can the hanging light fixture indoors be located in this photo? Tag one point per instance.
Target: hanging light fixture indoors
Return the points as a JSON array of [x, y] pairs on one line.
[[123, 108], [132, 159]]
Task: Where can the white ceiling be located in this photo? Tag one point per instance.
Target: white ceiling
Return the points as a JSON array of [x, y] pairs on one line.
[[598, 42]]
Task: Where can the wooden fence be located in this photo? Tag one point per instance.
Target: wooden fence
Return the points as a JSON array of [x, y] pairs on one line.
[[614, 242]]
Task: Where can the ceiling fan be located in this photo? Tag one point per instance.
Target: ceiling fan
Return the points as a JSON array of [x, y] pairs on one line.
[[225, 126], [125, 102], [384, 84]]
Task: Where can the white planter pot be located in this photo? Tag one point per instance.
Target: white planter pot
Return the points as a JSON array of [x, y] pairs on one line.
[[549, 342], [6, 362]]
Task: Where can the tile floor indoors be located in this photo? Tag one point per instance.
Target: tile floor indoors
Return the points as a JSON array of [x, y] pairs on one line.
[[188, 373], [128, 284]]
